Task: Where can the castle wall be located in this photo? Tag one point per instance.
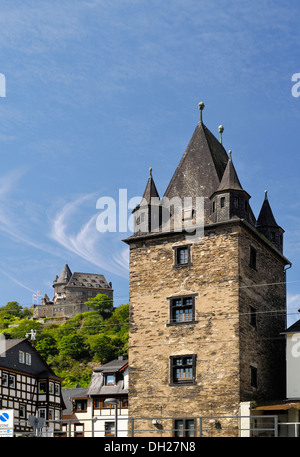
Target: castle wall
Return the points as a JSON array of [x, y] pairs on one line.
[[212, 338], [59, 310], [261, 345], [224, 344]]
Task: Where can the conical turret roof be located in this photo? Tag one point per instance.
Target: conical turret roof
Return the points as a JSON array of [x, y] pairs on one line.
[[266, 217], [65, 275], [230, 180], [150, 190]]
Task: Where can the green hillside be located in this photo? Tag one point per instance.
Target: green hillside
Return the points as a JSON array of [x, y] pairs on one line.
[[74, 347]]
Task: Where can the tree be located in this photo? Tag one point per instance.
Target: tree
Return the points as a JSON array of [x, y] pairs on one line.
[[119, 321], [73, 346], [92, 323], [11, 311], [102, 304], [46, 345], [12, 307], [104, 348]]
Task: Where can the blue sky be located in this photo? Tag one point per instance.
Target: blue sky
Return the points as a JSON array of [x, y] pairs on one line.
[[98, 91]]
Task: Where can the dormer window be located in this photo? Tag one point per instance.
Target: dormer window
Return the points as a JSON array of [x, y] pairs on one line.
[[109, 379]]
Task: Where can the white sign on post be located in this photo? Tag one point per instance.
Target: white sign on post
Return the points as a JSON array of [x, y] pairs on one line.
[[6, 423]]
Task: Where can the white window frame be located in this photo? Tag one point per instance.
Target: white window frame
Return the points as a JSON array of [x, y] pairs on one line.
[[28, 358], [21, 357]]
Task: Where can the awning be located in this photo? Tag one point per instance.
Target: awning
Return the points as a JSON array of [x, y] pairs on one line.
[[284, 405]]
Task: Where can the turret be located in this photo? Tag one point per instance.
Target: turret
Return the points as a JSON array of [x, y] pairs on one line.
[[230, 199], [267, 225]]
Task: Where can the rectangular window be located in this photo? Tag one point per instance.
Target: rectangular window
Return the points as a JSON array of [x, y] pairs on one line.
[[8, 380], [21, 356], [51, 387], [42, 387], [236, 202], [183, 369], [57, 389], [182, 309], [109, 379], [22, 412], [253, 316], [4, 380], [99, 403], [123, 403], [42, 413], [78, 430], [222, 202], [252, 259], [11, 381], [109, 428], [80, 405], [28, 358], [184, 428], [182, 255], [253, 377]]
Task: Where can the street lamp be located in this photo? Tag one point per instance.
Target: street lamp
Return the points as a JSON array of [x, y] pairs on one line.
[[113, 402]]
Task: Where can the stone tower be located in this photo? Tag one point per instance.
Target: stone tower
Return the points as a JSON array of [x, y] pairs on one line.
[[206, 313]]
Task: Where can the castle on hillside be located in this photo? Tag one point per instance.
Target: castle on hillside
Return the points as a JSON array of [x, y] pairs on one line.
[[212, 307], [71, 291]]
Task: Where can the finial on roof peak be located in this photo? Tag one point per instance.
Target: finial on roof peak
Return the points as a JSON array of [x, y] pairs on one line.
[[150, 171], [229, 153], [266, 195], [201, 107], [221, 130]]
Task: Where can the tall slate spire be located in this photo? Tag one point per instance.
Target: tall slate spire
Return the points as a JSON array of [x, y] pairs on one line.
[[201, 167]]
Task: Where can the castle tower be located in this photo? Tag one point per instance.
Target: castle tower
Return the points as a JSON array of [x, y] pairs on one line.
[[205, 322], [60, 283]]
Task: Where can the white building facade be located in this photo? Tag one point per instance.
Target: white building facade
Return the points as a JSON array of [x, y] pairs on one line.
[[101, 409]]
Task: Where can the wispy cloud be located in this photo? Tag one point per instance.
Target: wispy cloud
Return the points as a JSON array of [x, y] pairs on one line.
[[16, 281], [13, 222], [100, 249]]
